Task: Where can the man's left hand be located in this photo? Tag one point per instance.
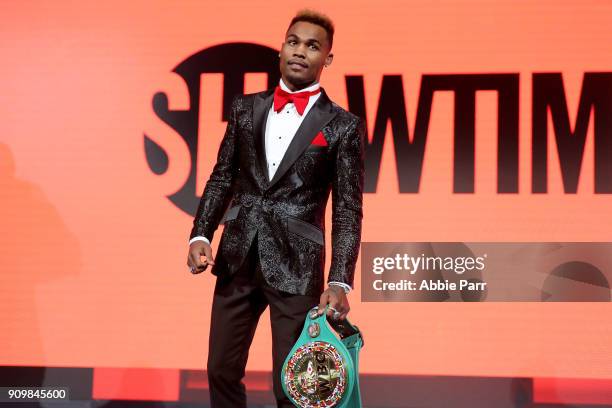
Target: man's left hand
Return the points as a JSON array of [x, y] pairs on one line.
[[336, 298]]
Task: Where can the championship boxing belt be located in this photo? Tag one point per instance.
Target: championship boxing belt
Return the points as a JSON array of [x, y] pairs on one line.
[[322, 370]]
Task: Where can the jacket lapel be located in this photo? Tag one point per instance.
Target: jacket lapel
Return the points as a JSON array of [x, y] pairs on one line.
[[261, 107], [317, 117]]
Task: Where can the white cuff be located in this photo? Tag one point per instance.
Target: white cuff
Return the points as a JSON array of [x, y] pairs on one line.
[[198, 238], [347, 288]]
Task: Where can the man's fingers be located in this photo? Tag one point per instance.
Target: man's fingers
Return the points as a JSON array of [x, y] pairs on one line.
[[338, 305], [191, 261], [333, 309], [200, 266], [338, 309], [322, 303], [344, 312], [334, 306], [208, 254]]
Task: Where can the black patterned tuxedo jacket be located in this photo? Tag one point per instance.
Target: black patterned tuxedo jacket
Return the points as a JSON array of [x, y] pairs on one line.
[[287, 213]]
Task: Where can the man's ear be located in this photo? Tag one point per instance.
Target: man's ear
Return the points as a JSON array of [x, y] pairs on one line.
[[329, 59]]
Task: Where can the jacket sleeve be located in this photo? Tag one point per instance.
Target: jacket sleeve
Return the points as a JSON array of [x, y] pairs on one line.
[[217, 192], [347, 198]]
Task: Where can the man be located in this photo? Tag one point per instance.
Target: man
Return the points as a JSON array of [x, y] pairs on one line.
[[284, 150]]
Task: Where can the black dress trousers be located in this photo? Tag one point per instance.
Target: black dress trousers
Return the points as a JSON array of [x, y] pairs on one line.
[[238, 302]]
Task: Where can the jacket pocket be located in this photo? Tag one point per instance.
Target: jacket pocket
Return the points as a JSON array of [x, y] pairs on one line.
[[305, 229], [231, 213]]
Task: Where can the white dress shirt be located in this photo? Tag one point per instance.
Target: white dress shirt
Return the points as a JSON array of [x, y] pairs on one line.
[[280, 129]]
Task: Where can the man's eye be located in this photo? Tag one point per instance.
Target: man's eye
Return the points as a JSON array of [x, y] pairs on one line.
[[314, 46]]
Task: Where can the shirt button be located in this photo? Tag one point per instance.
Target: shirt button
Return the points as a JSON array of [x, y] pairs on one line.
[[274, 164]]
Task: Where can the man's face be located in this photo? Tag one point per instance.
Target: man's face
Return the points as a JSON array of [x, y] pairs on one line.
[[303, 54]]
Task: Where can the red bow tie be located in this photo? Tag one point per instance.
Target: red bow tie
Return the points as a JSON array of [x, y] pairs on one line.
[[299, 99]]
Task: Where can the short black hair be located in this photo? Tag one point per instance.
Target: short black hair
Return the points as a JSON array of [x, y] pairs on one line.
[[314, 17]]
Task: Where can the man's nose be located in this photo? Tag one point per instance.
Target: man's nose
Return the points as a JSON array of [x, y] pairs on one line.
[[299, 51]]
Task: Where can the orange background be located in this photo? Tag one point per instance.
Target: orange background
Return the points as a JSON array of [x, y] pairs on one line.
[[92, 253]]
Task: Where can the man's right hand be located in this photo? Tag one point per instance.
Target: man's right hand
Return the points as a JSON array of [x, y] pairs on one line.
[[200, 256]]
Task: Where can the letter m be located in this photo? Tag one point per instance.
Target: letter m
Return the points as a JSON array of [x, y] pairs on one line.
[[596, 94]]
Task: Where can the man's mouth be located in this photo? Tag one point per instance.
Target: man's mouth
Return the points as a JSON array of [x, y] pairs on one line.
[[299, 63]]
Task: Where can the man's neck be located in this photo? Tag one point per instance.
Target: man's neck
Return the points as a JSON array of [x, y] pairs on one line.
[[285, 85]]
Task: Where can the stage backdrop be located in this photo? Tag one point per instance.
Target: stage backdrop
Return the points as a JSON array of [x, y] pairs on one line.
[[112, 113]]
